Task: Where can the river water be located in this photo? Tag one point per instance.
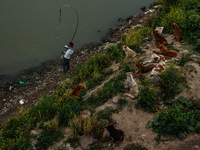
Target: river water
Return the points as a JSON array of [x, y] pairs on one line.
[[30, 31]]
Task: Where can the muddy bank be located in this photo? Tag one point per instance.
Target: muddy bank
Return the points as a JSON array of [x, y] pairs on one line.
[[30, 85]]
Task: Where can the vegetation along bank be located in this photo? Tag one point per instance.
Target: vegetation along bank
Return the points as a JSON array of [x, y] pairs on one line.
[[156, 108]]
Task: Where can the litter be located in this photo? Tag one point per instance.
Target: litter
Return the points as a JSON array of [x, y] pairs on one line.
[[21, 101], [150, 11], [21, 82]]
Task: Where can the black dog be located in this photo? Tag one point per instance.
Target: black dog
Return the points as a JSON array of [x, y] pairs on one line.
[[117, 135]]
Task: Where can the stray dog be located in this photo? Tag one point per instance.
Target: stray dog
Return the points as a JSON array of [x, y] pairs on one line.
[[164, 51], [159, 39], [154, 58], [131, 85], [159, 67], [117, 135], [128, 51], [76, 92], [177, 32], [143, 69]]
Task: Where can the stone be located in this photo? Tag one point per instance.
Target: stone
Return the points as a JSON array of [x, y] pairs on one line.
[[86, 141], [115, 100]]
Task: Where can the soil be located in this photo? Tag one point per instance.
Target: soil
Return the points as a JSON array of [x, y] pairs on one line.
[[131, 120]]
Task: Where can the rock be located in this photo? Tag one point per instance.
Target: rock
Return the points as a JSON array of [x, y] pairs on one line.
[[141, 21], [196, 147], [115, 100], [86, 141]]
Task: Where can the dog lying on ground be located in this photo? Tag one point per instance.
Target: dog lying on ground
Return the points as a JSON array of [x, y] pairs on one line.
[[159, 39], [164, 51], [159, 67], [117, 135], [76, 92], [154, 58], [143, 69], [131, 85], [177, 33], [129, 52]]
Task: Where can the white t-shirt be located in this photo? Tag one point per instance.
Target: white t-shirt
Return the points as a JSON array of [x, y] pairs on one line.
[[69, 52]]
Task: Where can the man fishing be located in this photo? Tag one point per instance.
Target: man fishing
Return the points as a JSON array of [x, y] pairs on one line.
[[67, 56]]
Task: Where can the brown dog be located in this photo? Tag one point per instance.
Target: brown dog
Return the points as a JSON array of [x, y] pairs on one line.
[[164, 51], [177, 32], [76, 91], [160, 39], [143, 69]]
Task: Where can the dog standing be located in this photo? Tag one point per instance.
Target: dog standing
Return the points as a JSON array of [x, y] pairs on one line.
[[177, 32]]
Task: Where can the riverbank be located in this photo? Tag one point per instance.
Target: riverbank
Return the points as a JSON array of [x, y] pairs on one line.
[[30, 85]]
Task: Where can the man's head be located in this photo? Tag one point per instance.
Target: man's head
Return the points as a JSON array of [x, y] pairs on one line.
[[71, 44]]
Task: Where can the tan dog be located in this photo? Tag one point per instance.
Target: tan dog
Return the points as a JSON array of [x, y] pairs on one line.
[[128, 51], [177, 32], [164, 51]]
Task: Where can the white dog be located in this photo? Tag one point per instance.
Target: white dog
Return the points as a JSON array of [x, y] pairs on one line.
[[154, 58], [159, 67], [131, 85]]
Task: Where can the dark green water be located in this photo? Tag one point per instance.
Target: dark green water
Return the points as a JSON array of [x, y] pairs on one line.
[[30, 32]]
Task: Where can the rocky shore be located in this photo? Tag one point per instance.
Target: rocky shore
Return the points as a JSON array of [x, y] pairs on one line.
[[30, 85]]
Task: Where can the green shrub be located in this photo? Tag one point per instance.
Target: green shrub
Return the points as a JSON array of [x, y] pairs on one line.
[[171, 81], [165, 19], [92, 67], [184, 59], [147, 99], [115, 52], [90, 125], [182, 117], [135, 37], [68, 110], [48, 138], [110, 89]]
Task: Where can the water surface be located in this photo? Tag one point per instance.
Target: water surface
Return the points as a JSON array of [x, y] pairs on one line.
[[30, 32]]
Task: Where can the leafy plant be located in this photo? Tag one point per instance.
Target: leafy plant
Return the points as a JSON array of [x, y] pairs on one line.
[[184, 59], [147, 99], [182, 117], [68, 110], [110, 89], [171, 80], [134, 37]]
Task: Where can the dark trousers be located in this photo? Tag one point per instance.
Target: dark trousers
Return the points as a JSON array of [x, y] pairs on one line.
[[65, 63]]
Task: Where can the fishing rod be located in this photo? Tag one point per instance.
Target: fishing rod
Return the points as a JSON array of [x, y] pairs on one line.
[[69, 6]]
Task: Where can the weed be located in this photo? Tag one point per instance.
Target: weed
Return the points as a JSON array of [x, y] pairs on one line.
[[184, 59], [182, 117], [171, 80], [147, 99], [90, 125]]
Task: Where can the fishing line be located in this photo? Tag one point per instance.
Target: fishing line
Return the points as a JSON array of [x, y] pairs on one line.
[[76, 17]]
